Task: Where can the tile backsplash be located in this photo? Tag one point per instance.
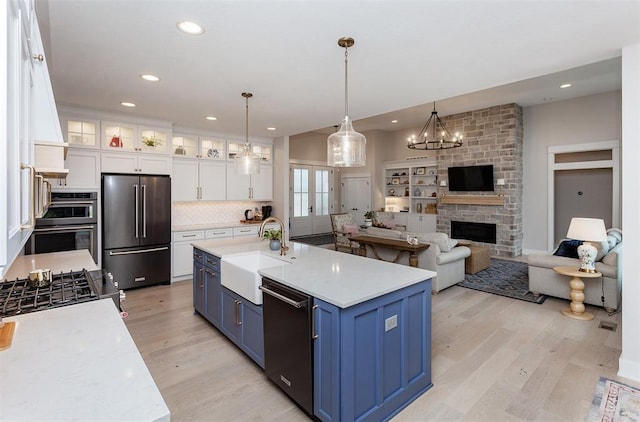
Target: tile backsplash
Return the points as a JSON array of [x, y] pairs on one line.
[[211, 212]]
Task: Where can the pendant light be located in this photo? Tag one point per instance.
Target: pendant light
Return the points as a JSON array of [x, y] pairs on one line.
[[247, 163], [346, 147], [434, 135]]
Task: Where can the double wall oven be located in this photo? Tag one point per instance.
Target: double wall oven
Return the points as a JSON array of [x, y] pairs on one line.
[[70, 223]]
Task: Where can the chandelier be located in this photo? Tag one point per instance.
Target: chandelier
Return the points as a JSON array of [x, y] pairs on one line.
[[434, 135], [247, 163], [346, 147]]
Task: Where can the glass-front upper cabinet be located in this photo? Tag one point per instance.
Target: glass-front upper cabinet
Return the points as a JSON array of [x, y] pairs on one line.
[[129, 137], [261, 150], [198, 147], [119, 136], [153, 140], [81, 132]]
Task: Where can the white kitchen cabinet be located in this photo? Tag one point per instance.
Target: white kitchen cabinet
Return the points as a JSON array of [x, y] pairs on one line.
[[422, 223], [258, 187], [263, 151], [80, 131], [182, 251], [84, 170], [198, 179], [135, 163], [194, 146], [249, 230], [28, 111]]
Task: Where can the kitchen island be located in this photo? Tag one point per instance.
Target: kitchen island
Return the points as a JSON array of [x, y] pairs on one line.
[[76, 362], [372, 319]]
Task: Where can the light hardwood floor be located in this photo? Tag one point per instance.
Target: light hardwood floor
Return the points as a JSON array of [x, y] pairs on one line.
[[494, 359]]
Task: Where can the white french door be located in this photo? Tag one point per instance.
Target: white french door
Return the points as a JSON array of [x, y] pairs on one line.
[[310, 199]]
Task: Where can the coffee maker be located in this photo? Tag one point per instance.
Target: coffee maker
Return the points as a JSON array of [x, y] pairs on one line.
[[266, 212]]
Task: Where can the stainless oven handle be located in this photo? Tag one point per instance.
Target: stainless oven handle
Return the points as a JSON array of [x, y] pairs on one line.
[[111, 253], [135, 188], [283, 298], [64, 203], [64, 229], [144, 210], [49, 202]]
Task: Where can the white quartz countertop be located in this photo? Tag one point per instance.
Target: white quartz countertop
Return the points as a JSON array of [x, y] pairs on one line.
[[339, 278], [55, 261], [76, 362]]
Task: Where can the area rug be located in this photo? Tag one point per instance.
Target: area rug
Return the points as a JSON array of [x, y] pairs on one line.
[[319, 239], [504, 278], [613, 402]]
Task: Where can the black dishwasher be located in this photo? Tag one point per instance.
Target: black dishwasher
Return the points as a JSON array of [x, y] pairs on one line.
[[288, 342]]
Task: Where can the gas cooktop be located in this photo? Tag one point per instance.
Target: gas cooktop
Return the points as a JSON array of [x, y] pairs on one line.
[[17, 297]]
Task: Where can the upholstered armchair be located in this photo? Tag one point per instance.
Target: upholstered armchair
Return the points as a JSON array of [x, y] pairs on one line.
[[344, 226]]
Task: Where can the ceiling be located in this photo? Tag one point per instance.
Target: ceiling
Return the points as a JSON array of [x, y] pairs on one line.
[[463, 54]]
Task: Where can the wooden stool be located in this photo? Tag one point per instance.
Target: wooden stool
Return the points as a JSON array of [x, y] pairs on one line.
[[479, 259]]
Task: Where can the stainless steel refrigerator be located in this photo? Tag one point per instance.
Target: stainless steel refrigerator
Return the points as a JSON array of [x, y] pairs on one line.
[[136, 229]]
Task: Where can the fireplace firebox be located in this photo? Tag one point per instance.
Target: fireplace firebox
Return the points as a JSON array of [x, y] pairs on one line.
[[478, 232]]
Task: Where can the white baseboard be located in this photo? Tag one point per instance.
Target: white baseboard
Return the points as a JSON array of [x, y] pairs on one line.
[[629, 369]]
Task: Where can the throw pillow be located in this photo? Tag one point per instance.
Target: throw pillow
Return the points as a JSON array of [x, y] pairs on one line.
[[602, 247], [568, 248], [614, 236], [350, 228]]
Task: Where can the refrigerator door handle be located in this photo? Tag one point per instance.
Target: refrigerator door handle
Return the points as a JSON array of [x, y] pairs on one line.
[[135, 188], [144, 210], [111, 253]]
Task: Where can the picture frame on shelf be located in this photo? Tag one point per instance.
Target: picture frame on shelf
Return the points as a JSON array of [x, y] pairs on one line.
[[420, 171], [395, 181]]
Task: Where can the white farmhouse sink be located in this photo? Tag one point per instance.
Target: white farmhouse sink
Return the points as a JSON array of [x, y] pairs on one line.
[[239, 273]]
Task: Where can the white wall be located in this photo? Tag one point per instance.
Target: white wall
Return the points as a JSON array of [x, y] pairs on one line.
[[580, 120], [629, 364]]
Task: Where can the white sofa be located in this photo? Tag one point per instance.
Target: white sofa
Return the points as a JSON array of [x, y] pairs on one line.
[[442, 255], [605, 291]]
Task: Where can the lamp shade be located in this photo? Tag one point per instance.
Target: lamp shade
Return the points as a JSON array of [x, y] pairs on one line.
[[346, 147], [587, 229]]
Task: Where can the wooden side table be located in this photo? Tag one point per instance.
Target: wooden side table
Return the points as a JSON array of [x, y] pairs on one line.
[[576, 308]]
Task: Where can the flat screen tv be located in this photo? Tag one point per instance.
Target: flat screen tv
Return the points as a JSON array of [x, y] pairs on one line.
[[471, 178]]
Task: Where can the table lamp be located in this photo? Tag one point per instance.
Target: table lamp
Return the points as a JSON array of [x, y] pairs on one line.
[[587, 230]]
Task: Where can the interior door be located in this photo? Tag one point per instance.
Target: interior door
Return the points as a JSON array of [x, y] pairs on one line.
[[356, 197], [310, 189], [582, 193]]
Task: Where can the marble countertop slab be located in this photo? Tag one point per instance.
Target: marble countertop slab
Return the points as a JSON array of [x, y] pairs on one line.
[[76, 362], [339, 278]]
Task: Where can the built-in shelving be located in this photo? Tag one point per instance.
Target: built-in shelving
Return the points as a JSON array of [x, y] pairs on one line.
[[411, 187]]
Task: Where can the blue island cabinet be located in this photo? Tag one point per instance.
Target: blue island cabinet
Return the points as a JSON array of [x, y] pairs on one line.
[[242, 324], [374, 358], [206, 286]]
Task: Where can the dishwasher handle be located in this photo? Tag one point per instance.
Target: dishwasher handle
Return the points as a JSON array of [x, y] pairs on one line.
[[283, 298]]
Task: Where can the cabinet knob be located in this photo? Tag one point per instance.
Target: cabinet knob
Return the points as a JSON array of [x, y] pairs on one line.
[[38, 57]]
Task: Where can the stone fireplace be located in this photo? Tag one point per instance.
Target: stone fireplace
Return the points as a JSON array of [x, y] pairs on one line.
[[492, 135]]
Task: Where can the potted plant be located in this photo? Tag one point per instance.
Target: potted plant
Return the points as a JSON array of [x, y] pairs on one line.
[[274, 236], [368, 218]]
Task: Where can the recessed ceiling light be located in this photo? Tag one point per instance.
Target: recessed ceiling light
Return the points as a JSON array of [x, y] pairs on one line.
[[565, 85], [126, 104], [150, 78], [271, 128], [211, 118], [394, 121], [547, 99], [190, 28]]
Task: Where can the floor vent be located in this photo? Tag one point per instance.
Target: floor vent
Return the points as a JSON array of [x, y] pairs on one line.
[[606, 325]]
